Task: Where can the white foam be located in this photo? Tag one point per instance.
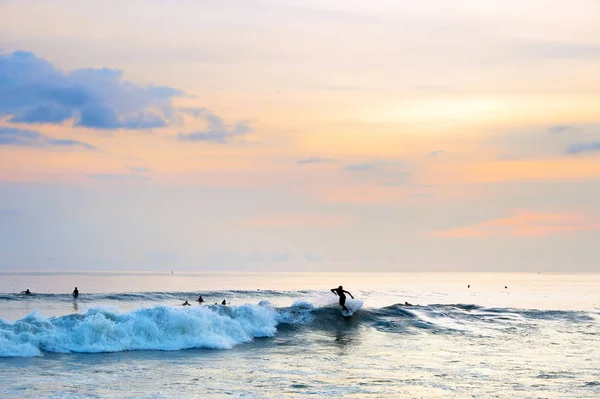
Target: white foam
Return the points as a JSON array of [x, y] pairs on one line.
[[157, 328]]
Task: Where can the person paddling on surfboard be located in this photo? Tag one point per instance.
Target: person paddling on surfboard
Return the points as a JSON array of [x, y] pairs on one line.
[[339, 291]]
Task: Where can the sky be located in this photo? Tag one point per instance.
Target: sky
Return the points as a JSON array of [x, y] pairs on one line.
[[286, 135]]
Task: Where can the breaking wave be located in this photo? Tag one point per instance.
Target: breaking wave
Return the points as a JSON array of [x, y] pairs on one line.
[[171, 328]]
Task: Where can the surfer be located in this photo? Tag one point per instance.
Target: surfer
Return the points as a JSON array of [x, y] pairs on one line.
[[75, 293], [186, 303], [224, 302], [339, 291], [200, 299], [26, 292]]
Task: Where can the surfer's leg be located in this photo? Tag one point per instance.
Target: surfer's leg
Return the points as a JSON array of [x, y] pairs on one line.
[[343, 304]]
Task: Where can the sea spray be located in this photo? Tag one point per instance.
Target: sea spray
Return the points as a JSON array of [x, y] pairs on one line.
[[156, 328]]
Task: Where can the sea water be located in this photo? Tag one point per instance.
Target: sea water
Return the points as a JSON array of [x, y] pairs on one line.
[[282, 335]]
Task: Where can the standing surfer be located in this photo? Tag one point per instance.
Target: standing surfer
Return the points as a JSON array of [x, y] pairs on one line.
[[75, 293], [339, 291]]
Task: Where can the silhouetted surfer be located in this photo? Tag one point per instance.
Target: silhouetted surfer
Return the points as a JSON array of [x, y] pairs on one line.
[[26, 292], [339, 291], [200, 299], [186, 303], [75, 293], [224, 302]]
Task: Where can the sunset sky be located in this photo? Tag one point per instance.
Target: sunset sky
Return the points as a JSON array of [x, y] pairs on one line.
[[380, 135]]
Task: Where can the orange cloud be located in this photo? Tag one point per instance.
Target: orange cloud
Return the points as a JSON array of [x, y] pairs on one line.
[[526, 224], [503, 171], [297, 221]]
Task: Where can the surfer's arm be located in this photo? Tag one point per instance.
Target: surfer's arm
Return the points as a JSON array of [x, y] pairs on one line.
[[333, 290], [349, 294]]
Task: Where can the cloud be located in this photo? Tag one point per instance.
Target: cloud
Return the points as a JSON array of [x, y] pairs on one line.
[[297, 221], [559, 129], [525, 224], [399, 182], [361, 167], [116, 176], [33, 91], [31, 138], [216, 130], [437, 153], [312, 160], [578, 148], [313, 257]]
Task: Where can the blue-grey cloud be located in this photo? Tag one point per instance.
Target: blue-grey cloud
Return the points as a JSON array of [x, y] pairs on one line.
[[436, 153], [31, 138], [216, 131], [578, 148], [196, 112], [306, 161], [33, 91], [7, 212], [314, 257], [361, 167], [400, 181], [116, 176], [559, 129]]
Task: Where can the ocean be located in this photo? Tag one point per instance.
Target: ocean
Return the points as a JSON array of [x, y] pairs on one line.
[[281, 335]]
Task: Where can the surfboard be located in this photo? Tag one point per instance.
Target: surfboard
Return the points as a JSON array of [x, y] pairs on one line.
[[353, 305]]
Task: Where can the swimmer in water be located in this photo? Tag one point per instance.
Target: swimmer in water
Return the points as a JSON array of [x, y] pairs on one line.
[[186, 303], [75, 293], [200, 299], [339, 291]]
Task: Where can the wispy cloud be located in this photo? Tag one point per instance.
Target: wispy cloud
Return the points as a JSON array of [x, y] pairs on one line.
[[313, 160], [557, 129], [116, 176], [437, 153], [297, 221], [31, 138], [216, 131], [33, 91], [578, 148], [400, 181], [526, 224], [361, 167]]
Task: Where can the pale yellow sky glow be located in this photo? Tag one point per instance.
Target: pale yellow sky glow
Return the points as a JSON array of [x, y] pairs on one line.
[[355, 131]]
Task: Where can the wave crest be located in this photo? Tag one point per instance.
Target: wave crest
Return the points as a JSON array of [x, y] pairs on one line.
[[157, 328]]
